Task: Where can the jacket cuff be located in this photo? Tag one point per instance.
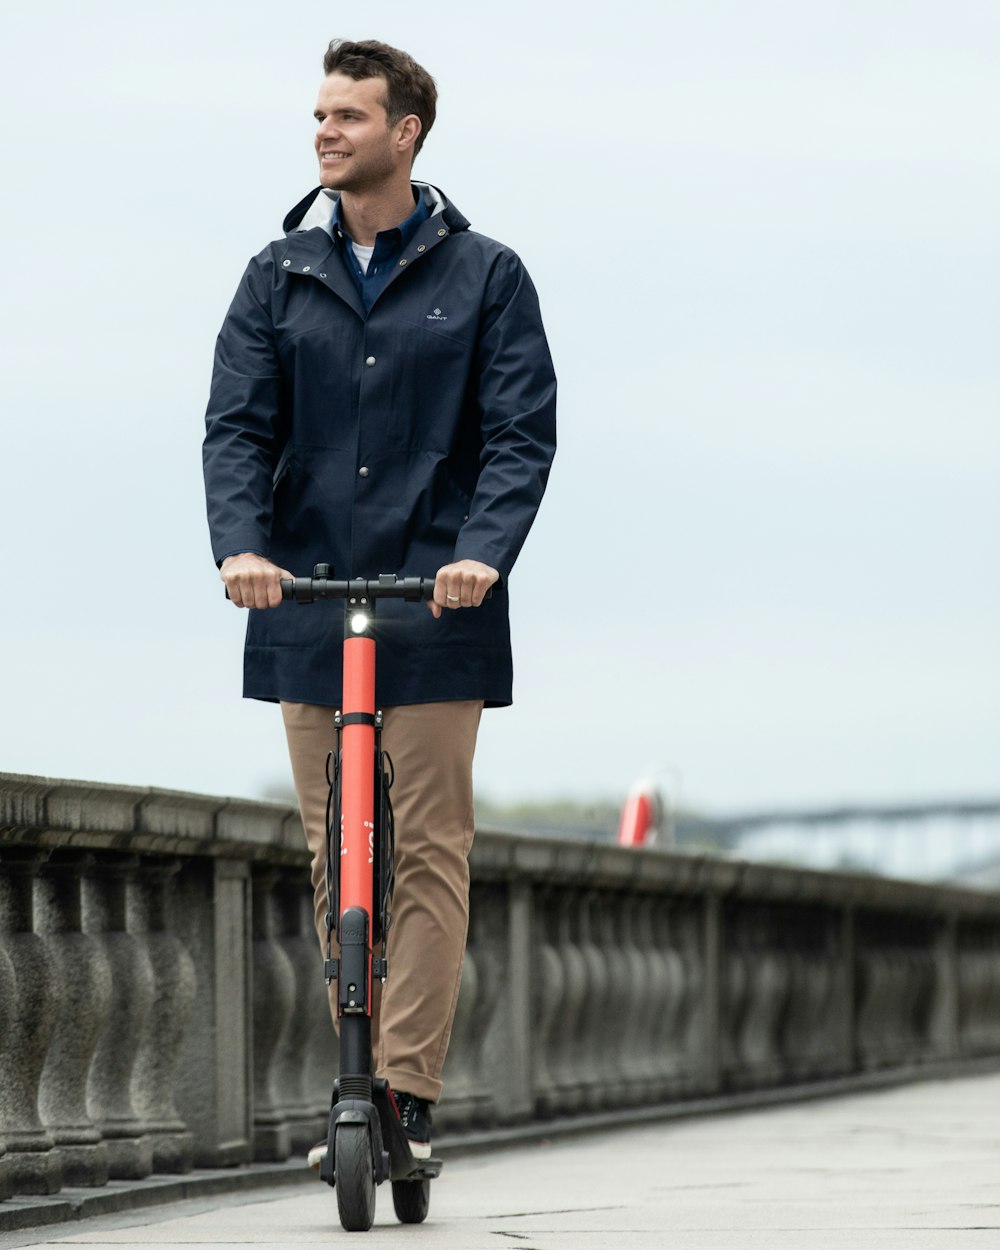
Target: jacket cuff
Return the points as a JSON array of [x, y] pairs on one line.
[[241, 551], [237, 543]]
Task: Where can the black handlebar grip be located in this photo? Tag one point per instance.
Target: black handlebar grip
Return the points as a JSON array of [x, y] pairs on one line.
[[309, 589]]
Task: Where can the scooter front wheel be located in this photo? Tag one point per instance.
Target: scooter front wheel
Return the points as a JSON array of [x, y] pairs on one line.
[[355, 1177], [412, 1199]]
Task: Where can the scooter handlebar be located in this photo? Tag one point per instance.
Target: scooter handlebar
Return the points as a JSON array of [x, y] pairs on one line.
[[388, 586]]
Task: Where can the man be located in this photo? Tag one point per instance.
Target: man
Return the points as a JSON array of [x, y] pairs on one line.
[[383, 401]]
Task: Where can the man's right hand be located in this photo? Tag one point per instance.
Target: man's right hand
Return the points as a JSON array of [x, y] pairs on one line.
[[252, 581]]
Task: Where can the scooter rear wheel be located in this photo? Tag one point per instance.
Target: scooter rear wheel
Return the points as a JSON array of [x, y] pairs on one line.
[[411, 1200], [355, 1177]]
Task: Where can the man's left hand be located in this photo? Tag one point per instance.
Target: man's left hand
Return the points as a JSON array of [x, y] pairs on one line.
[[462, 585]]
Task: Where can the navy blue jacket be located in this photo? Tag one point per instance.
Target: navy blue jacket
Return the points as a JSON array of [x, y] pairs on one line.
[[394, 441]]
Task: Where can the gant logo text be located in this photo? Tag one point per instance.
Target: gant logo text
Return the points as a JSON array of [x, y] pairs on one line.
[[436, 315]]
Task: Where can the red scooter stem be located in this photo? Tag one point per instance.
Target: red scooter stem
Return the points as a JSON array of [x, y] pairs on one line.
[[357, 827]]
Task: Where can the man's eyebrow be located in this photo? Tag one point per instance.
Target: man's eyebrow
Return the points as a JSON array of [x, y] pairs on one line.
[[319, 114]]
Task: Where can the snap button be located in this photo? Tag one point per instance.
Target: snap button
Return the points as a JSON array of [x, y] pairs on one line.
[[370, 361], [442, 233], [286, 263], [402, 262], [322, 275], [363, 471], [421, 247], [306, 268]]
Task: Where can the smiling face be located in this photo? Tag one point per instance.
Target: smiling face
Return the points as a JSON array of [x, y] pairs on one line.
[[358, 150]]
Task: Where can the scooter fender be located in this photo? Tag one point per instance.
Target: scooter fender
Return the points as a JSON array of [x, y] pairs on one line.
[[355, 1111]]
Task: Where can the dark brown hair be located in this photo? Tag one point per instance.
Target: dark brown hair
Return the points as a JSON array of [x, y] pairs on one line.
[[408, 86]]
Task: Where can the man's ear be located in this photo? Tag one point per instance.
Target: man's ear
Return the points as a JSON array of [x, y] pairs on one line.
[[408, 132]]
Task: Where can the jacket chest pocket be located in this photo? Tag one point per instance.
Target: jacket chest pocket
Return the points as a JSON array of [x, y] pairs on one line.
[[429, 382]]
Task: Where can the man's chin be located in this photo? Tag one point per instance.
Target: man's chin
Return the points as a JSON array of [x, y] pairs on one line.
[[334, 179]]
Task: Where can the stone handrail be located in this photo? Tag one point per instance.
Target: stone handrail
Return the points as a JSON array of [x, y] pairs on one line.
[[162, 1003]]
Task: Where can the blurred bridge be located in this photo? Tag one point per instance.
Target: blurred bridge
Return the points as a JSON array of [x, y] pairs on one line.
[[163, 1027], [957, 841]]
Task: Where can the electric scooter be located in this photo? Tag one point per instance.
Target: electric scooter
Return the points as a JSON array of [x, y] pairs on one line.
[[366, 1144]]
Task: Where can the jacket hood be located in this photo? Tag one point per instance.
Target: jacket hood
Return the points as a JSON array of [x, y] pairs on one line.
[[316, 209]]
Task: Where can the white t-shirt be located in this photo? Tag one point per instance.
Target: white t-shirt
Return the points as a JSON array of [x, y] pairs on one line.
[[364, 255]]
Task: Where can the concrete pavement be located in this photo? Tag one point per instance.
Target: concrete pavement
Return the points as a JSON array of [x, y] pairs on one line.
[[911, 1168]]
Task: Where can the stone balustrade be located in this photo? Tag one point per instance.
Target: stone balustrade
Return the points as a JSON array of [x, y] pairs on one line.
[[162, 1004]]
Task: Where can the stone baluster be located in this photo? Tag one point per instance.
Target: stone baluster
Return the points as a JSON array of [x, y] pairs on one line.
[[668, 976], [214, 1090], [581, 1009], [934, 986], [467, 1097], [573, 1025], [590, 1043], [838, 1037], [652, 978], [907, 1036], [991, 997], [991, 991], [820, 987], [273, 1004], [804, 1021], [547, 995], [488, 933], [455, 1107], [174, 990], [35, 1165], [109, 1087], [872, 990], [310, 1015], [509, 1041], [689, 1040], [978, 990], [635, 1053], [701, 937], [758, 1047], [8, 1015], [973, 989], [321, 1061], [610, 914], [893, 986], [904, 1037], [735, 993], [83, 996], [826, 1038], [896, 1000]]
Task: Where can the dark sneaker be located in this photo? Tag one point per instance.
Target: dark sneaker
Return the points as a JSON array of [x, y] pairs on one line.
[[316, 1156], [415, 1117]]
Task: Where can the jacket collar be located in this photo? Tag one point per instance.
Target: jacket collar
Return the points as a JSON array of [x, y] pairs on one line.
[[317, 208], [312, 239]]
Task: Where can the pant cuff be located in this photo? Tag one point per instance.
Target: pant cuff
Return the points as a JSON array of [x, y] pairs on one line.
[[412, 1083]]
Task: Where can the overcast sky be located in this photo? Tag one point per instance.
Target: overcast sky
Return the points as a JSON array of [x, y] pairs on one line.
[[765, 237]]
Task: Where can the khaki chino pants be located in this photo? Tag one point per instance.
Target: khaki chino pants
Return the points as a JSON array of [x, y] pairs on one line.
[[431, 746]]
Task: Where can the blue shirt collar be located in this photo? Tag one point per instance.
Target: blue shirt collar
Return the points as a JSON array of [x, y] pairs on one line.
[[397, 237]]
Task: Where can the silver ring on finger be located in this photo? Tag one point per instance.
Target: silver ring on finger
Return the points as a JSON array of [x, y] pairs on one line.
[[453, 598]]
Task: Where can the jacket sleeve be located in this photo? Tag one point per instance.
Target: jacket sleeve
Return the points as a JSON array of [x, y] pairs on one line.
[[245, 422], [516, 395]]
